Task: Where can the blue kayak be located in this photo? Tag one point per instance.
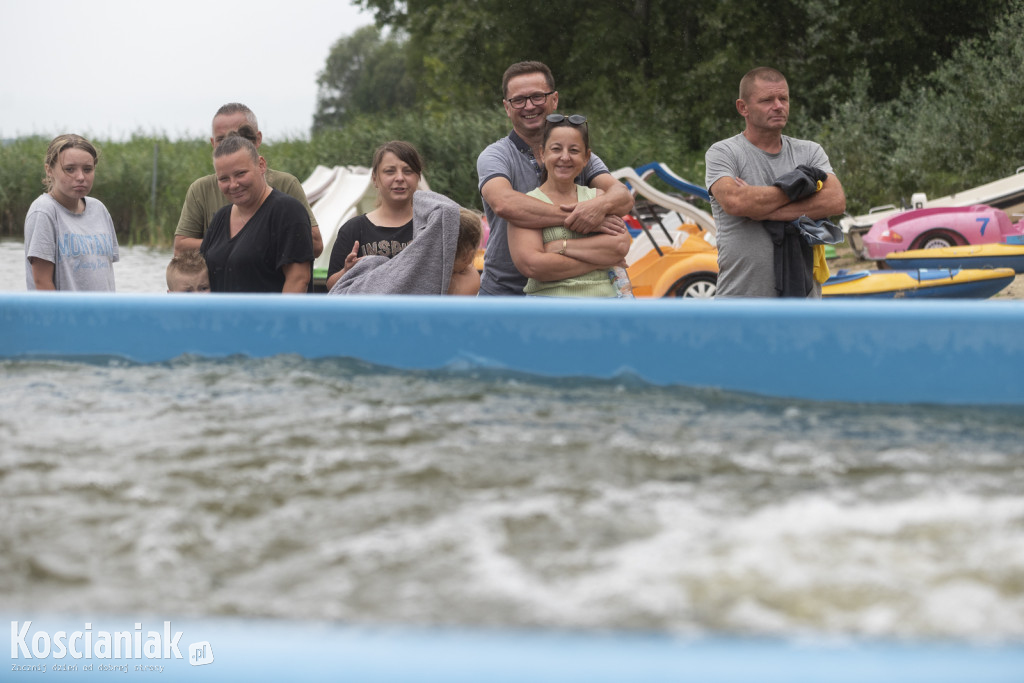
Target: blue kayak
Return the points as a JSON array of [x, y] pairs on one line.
[[942, 283], [995, 255]]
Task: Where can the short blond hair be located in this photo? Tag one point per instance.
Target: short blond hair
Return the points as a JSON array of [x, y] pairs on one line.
[[761, 73], [186, 263]]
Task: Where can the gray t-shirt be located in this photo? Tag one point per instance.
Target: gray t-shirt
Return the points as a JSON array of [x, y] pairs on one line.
[[746, 260], [511, 158], [82, 246]]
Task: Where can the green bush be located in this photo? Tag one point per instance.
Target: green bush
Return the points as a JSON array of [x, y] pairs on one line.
[[957, 129]]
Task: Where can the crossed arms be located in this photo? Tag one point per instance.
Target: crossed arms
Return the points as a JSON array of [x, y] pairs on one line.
[[526, 216], [769, 203], [543, 262]]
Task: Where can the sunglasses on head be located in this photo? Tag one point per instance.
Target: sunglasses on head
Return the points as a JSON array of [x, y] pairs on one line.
[[574, 119]]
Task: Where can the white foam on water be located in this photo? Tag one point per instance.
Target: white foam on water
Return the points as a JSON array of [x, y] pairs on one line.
[[296, 489]]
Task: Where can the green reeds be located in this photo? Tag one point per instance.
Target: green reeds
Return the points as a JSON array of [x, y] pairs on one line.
[[449, 143]]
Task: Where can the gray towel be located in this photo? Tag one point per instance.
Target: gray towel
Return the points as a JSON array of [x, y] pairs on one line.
[[423, 267], [819, 232]]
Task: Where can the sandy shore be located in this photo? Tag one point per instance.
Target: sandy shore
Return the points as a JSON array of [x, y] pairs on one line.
[[1014, 291]]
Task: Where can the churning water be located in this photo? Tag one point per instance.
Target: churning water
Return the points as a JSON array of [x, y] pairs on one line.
[[329, 489]]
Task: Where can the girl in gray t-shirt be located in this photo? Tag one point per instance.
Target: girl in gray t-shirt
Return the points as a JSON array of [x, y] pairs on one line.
[[70, 243]]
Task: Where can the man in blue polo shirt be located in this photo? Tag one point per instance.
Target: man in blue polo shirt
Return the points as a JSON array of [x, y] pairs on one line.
[[509, 168]]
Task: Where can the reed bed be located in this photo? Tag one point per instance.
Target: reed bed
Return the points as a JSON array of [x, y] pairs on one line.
[[881, 153], [145, 212]]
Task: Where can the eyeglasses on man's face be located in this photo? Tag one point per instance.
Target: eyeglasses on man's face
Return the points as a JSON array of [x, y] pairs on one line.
[[536, 99]]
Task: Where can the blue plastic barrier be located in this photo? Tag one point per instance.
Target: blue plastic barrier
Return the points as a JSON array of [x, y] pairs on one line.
[[239, 650], [946, 352]]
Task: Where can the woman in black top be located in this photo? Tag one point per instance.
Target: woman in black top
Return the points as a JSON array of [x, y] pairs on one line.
[[386, 230], [261, 242]]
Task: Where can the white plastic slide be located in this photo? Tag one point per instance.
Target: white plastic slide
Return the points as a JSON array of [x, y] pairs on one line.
[[318, 181], [670, 236], [683, 208]]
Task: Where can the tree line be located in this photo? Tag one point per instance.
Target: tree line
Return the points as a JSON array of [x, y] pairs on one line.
[[905, 95], [645, 55]]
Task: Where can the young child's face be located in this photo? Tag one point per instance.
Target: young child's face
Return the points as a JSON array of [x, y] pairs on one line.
[[198, 283]]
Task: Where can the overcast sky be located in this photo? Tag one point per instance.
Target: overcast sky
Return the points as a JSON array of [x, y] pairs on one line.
[[110, 68]]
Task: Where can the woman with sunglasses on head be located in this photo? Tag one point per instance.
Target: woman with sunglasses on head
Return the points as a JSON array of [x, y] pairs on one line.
[[558, 261], [387, 230]]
